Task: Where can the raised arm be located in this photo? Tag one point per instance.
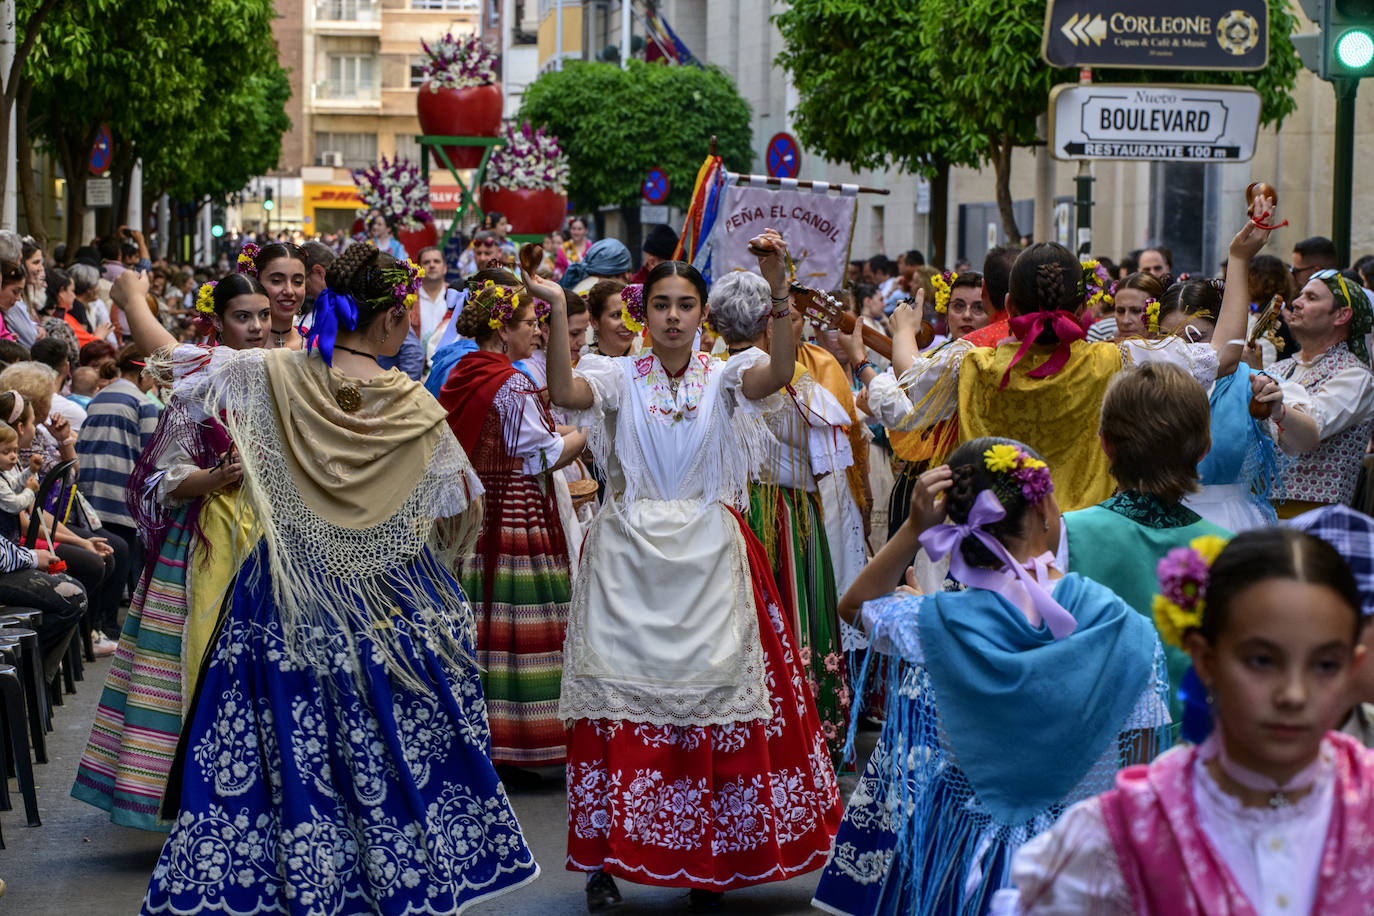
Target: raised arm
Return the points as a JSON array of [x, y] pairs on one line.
[[1229, 338], [565, 389], [905, 322], [762, 379], [130, 293]]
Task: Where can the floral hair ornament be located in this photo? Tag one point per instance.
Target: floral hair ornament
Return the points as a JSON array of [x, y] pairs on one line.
[[946, 539], [1183, 575], [944, 288], [205, 298], [1152, 315], [1028, 474], [247, 261], [542, 310], [632, 298], [1097, 285], [502, 303], [405, 283]]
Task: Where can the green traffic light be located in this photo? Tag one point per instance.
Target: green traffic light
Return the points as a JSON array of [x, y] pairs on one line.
[[1355, 49], [267, 204], [217, 231]]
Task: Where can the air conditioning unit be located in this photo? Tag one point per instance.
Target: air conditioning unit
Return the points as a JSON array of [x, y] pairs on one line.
[[330, 157]]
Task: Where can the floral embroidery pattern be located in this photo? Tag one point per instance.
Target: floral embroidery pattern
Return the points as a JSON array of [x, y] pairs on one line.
[[662, 405]]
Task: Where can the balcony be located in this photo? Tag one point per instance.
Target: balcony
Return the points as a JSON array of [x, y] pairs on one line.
[[348, 17], [346, 96]]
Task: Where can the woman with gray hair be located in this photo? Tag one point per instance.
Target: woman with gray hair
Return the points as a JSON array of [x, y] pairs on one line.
[[87, 280], [807, 441]]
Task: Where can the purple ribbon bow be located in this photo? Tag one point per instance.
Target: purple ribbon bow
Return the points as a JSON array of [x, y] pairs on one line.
[[944, 540]]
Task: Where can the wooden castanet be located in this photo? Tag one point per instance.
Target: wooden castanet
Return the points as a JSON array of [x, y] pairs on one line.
[[531, 256]]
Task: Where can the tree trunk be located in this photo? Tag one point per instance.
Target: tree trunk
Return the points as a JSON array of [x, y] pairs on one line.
[[1001, 160], [28, 192], [122, 171], [74, 150], [939, 214], [14, 81]]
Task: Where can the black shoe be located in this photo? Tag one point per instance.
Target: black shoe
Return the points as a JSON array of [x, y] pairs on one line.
[[602, 894], [701, 901]]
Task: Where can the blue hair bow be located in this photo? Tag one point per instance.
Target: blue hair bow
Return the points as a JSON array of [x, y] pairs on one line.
[[331, 310]]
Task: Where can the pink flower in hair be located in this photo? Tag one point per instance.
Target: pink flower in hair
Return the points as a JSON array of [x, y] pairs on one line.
[[1183, 576]]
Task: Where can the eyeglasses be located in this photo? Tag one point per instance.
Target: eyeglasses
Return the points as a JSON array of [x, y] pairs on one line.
[[1296, 271]]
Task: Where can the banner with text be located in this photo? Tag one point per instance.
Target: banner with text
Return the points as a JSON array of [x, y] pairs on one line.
[[817, 227]]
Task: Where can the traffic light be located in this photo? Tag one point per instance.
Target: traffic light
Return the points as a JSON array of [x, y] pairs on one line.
[[1344, 48], [267, 199], [216, 220]]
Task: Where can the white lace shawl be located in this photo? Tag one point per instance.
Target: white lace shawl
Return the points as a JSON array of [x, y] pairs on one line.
[[339, 591]]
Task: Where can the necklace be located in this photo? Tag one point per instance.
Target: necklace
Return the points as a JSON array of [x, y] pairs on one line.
[[734, 351], [675, 378], [1278, 793], [280, 336], [371, 356]]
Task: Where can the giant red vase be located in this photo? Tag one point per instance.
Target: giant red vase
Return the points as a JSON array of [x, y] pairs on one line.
[[474, 111], [530, 212], [415, 239]]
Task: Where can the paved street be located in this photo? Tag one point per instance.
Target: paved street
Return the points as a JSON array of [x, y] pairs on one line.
[[79, 864]]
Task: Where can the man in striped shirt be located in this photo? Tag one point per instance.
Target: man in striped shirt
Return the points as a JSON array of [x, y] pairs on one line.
[[120, 421]]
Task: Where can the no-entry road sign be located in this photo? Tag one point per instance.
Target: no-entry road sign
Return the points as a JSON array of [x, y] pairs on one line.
[[1174, 122]]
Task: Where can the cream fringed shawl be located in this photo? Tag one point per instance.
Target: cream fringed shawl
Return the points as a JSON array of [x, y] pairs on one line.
[[347, 502]]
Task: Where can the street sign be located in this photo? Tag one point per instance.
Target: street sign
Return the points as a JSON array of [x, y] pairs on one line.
[[102, 151], [655, 187], [1141, 34], [652, 214], [100, 192], [783, 156], [1174, 122]]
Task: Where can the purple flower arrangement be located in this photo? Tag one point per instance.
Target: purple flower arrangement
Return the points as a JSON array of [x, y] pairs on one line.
[[396, 189], [458, 63], [530, 160]]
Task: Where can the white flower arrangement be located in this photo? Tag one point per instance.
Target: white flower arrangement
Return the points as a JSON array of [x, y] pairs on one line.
[[458, 63], [396, 189], [530, 160]]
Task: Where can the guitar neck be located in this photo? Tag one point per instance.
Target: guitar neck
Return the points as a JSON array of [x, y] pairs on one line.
[[876, 341]]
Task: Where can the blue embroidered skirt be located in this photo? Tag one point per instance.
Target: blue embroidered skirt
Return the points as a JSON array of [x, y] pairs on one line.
[[334, 794]]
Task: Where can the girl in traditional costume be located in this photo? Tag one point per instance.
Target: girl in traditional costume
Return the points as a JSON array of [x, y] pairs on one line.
[[336, 757], [281, 268], [182, 495], [519, 575], [1272, 813], [807, 439], [1046, 387], [1014, 698], [695, 757], [1238, 475]]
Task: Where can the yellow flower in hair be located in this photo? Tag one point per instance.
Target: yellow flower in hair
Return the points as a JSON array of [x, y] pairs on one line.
[[1001, 459], [1172, 621], [630, 322], [493, 323], [410, 300], [944, 288], [205, 298], [1209, 546]]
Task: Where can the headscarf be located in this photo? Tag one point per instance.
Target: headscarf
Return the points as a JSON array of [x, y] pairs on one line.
[[1351, 295], [605, 258]]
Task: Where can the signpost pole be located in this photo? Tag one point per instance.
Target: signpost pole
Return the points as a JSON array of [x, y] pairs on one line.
[[1083, 185], [1343, 177]]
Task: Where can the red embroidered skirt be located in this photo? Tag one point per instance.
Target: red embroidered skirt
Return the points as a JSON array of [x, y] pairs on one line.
[[712, 807]]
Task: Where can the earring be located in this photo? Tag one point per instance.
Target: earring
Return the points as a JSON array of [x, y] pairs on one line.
[[1045, 523]]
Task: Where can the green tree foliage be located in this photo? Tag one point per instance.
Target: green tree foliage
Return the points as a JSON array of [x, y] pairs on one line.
[[911, 81], [615, 125], [199, 99]]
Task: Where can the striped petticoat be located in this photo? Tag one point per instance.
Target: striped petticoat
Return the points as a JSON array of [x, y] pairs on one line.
[[805, 577], [129, 754], [520, 626]]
